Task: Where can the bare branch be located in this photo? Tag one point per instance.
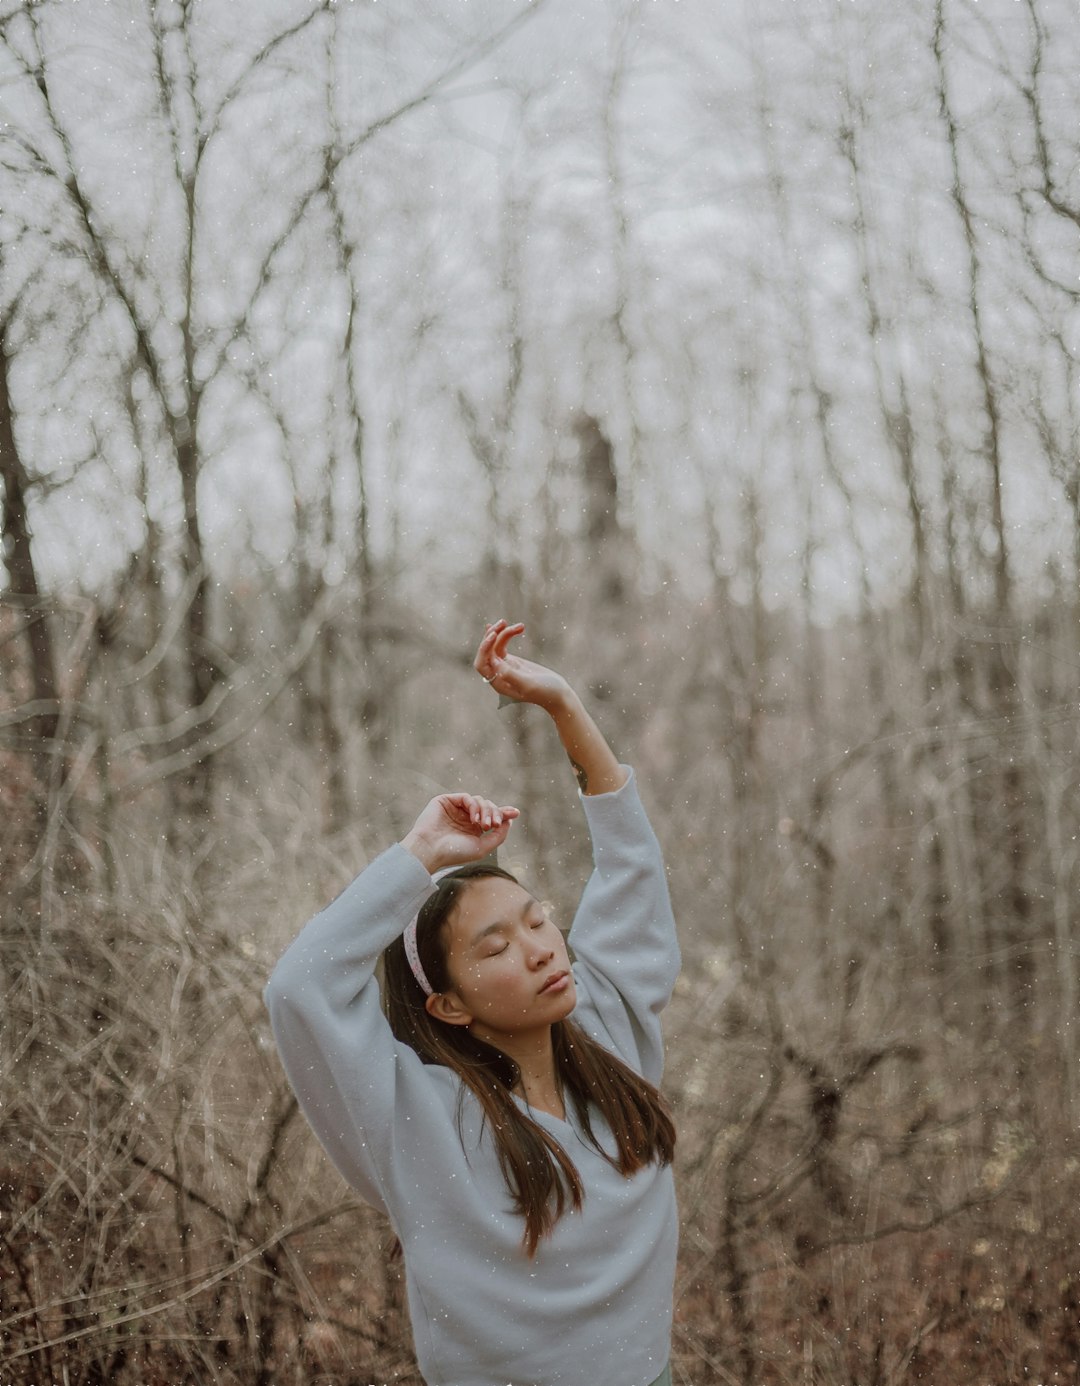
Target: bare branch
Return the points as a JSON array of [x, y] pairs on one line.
[[205, 1282], [335, 158]]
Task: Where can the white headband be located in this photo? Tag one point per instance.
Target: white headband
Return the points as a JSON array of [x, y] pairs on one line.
[[412, 953]]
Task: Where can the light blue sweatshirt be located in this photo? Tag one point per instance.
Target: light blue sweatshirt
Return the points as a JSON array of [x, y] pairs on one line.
[[595, 1302]]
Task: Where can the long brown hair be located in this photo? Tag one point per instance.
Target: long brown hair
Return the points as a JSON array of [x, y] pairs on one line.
[[541, 1177]]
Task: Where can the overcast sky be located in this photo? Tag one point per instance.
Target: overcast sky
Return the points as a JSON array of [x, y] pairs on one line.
[[655, 198]]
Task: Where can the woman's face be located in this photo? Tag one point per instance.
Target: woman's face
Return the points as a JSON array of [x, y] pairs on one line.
[[507, 961]]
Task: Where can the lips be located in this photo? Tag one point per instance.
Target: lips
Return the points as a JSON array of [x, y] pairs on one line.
[[559, 982]]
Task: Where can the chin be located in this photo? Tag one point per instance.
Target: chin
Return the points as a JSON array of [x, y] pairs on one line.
[[569, 1003]]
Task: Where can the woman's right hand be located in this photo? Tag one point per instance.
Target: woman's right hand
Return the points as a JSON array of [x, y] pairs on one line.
[[457, 828]]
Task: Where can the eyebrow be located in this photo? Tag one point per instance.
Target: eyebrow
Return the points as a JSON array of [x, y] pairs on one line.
[[503, 923]]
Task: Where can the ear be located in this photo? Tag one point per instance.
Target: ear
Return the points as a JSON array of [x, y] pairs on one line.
[[446, 1006]]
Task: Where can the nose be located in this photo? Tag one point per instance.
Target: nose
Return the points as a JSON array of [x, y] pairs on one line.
[[540, 954]]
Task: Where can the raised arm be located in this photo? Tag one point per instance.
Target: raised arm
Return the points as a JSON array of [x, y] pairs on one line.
[[595, 765], [369, 1098], [627, 954]]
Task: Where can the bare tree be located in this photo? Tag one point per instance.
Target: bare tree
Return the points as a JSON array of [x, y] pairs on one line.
[[41, 714]]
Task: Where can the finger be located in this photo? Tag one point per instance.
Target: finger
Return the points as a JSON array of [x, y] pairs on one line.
[[500, 815], [463, 798], [505, 635], [463, 803], [495, 839], [483, 653]]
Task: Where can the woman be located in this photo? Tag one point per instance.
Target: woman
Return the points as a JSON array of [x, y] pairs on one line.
[[523, 1158]]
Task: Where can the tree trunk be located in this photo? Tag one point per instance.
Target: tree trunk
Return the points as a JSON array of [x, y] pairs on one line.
[[194, 786], [24, 592], [1005, 801]]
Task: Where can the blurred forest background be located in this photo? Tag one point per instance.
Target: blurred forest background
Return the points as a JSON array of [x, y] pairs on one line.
[[734, 349]]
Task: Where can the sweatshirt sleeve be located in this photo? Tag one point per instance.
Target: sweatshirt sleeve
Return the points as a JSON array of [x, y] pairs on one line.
[[355, 1083], [626, 954]]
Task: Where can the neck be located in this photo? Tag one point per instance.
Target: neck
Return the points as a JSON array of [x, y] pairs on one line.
[[534, 1054]]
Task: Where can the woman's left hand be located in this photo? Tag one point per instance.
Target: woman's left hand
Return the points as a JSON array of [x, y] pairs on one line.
[[514, 677]]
